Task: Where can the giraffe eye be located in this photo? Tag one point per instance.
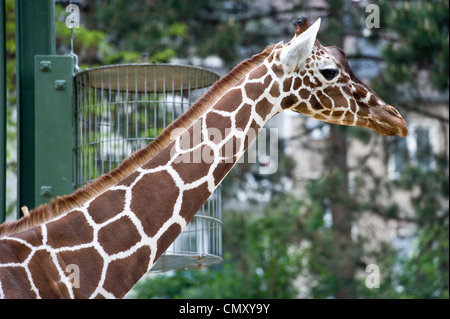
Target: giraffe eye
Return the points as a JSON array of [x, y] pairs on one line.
[[329, 74]]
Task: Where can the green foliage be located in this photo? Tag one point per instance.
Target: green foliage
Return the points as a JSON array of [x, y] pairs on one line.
[[11, 99], [422, 41], [167, 29], [425, 270], [428, 187]]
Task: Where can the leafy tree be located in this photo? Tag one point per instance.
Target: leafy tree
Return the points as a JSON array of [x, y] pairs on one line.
[[416, 46], [167, 29], [10, 41]]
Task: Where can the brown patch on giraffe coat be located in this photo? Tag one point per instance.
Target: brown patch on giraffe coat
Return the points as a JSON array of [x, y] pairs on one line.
[[13, 252], [335, 94], [166, 239], [320, 117], [287, 84], [242, 117], [267, 81], [307, 82], [230, 148], [278, 70], [119, 281], [45, 280], [197, 163], [326, 113], [127, 181], [32, 236], [255, 126], [193, 200], [221, 171], [337, 114], [107, 205], [289, 101], [258, 73], [275, 89], [16, 281], [216, 123], [304, 94], [373, 101], [118, 236], [362, 122], [343, 79], [71, 230], [349, 118], [89, 277], [302, 108], [160, 159], [153, 200], [251, 133], [297, 83], [270, 58], [230, 101], [263, 108], [346, 90], [317, 81], [277, 55], [190, 139], [254, 90], [363, 110], [315, 104], [324, 100]]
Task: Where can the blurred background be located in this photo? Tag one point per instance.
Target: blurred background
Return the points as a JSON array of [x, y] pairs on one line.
[[342, 198]]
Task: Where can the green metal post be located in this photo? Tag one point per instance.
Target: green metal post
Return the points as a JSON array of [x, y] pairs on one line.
[[35, 34], [53, 126], [2, 112]]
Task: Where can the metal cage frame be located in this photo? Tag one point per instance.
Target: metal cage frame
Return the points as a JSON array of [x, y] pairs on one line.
[[121, 108]]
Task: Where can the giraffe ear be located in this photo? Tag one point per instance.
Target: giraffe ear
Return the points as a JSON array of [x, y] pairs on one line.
[[299, 48]]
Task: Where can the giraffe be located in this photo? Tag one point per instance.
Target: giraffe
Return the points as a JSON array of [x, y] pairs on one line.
[[110, 233]]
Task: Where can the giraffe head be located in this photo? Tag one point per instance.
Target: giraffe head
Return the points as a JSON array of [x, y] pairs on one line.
[[318, 82]]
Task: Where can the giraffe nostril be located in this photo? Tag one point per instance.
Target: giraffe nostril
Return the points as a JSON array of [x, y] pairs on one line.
[[393, 111]]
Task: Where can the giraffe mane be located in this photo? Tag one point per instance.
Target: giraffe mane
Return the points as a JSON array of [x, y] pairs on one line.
[[64, 204]]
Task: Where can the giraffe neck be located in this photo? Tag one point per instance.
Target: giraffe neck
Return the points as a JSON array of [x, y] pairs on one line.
[[113, 239]]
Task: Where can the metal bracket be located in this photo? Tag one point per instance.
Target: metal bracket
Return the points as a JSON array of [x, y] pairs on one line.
[[60, 84], [46, 191], [46, 66]]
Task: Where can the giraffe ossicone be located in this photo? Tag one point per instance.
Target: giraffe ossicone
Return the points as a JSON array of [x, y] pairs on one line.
[[113, 231]]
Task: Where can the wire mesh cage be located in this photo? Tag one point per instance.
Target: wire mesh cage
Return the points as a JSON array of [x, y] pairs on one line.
[[121, 108]]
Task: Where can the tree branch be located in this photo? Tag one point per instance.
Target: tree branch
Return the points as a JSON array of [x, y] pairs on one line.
[[422, 111], [377, 210], [362, 56]]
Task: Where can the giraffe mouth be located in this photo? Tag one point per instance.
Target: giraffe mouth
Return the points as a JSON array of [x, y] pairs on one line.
[[388, 121]]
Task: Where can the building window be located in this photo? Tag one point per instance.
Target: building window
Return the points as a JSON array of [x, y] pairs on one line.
[[418, 148]]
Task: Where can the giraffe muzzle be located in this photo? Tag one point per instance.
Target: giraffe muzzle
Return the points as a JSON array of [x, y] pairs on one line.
[[388, 121]]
